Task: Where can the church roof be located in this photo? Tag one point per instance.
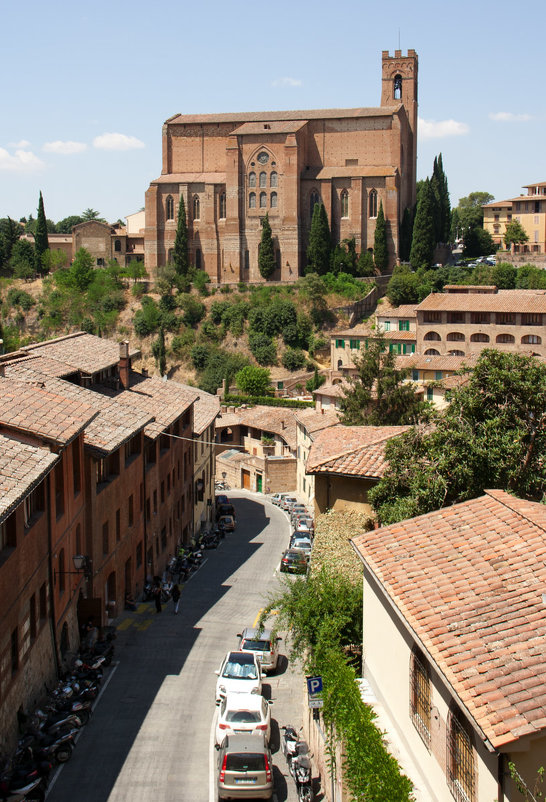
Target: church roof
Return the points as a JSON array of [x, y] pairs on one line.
[[273, 127], [191, 178], [267, 116]]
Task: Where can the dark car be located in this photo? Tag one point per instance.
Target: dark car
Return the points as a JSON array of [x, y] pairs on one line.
[[224, 509], [294, 561], [221, 499]]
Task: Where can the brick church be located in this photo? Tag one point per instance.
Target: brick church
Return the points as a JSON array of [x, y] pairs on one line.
[[232, 169]]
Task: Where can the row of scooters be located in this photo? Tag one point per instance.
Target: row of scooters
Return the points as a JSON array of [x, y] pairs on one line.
[[49, 733]]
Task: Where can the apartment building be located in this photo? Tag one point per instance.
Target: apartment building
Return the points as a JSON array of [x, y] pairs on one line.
[[529, 210]]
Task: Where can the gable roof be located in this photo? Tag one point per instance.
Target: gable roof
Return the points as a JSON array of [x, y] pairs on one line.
[[80, 351], [282, 116], [469, 580], [314, 420], [22, 468], [277, 420], [351, 450], [205, 410], [501, 301]]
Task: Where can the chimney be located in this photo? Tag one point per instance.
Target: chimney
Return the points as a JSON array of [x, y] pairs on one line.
[[2, 372], [123, 364]]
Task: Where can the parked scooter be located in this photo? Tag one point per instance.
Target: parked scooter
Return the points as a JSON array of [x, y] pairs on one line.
[[297, 757], [16, 790]]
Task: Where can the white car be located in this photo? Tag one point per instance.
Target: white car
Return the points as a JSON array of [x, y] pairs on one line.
[[245, 713], [277, 498], [240, 672]]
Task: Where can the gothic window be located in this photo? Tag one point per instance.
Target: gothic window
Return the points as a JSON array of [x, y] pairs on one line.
[[169, 206], [345, 203], [398, 87], [252, 179], [263, 200], [373, 203], [252, 200], [274, 180], [313, 200], [273, 200], [263, 179], [117, 245], [196, 208], [222, 204]]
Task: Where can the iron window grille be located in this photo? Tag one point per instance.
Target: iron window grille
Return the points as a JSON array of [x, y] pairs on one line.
[[420, 699], [460, 762]]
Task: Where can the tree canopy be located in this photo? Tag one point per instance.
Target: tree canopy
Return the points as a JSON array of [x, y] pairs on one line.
[[492, 435], [181, 255], [515, 234], [252, 380], [320, 242], [423, 239], [41, 243], [379, 394]]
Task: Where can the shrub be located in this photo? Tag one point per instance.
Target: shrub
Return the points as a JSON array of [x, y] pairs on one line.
[[268, 401], [200, 281], [194, 310], [181, 342], [138, 290], [263, 349], [225, 289], [147, 319], [20, 298], [199, 356], [293, 359], [217, 309], [113, 302]]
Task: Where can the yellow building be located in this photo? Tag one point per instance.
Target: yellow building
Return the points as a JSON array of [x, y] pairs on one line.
[[529, 210]]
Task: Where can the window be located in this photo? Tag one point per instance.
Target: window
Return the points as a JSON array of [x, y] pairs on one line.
[[354, 344], [150, 455], [373, 203], [479, 338], [273, 200], [196, 208], [430, 393], [139, 555], [455, 317], [252, 200], [340, 343], [415, 375], [344, 199], [222, 205], [505, 338], [460, 760], [432, 335], [432, 317], [105, 538], [314, 198], [274, 180], [432, 352], [117, 245], [33, 505], [252, 179], [263, 200], [505, 319], [403, 325], [438, 375], [169, 207], [455, 353], [480, 317], [132, 448], [531, 339], [455, 336], [531, 319], [420, 696], [263, 179], [387, 325], [397, 87]]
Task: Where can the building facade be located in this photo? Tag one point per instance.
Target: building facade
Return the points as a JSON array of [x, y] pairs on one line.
[[233, 169], [529, 210]]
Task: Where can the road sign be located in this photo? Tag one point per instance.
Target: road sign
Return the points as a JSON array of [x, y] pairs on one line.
[[316, 702], [314, 685]]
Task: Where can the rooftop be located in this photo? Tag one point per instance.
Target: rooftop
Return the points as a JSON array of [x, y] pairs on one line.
[[80, 351], [469, 581], [282, 116], [205, 410], [277, 420], [22, 467], [502, 301], [314, 420], [352, 450]]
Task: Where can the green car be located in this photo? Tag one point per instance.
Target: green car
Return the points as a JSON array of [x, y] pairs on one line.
[[294, 561]]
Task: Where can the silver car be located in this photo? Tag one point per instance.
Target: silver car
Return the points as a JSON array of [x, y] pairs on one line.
[[262, 644], [245, 768]]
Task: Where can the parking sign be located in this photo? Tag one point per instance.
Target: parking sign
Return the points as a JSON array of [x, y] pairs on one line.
[[314, 685]]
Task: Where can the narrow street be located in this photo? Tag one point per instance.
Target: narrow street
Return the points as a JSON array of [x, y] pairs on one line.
[[152, 733]]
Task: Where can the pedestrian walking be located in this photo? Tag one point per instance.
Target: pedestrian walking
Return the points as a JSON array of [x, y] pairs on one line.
[[157, 597], [175, 593]]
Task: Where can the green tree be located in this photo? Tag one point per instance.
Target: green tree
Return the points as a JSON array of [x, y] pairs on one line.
[[469, 210], [503, 276], [10, 231], [53, 260], [365, 265], [66, 225], [406, 233], [316, 381], [252, 380], [423, 240], [379, 394], [380, 248], [266, 254], [515, 234], [135, 270], [81, 271], [181, 255], [91, 214], [293, 359], [403, 287], [320, 242], [442, 206], [41, 243], [344, 258], [160, 352], [478, 242], [23, 260], [492, 435]]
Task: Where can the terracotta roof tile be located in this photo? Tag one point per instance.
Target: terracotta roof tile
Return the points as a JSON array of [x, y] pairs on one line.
[[269, 116], [22, 467], [277, 420], [332, 390], [475, 564], [205, 410], [314, 420], [501, 301], [81, 351], [351, 450]]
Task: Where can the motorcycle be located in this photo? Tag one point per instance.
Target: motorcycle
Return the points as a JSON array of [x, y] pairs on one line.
[[17, 790], [298, 759]]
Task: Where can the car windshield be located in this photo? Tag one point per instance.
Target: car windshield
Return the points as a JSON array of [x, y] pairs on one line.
[[256, 645], [243, 716], [245, 762], [236, 670]]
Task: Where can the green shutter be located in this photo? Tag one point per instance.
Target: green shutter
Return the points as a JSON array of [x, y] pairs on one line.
[[403, 325], [387, 325], [413, 348], [438, 375]]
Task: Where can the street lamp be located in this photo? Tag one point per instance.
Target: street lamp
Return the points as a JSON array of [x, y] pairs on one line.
[[81, 563]]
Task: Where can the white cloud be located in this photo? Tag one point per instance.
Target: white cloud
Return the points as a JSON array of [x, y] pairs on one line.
[[22, 161], [24, 143], [287, 82], [117, 142], [438, 129], [509, 117], [66, 148]]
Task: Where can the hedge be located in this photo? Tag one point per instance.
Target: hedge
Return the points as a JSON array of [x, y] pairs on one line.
[[266, 400]]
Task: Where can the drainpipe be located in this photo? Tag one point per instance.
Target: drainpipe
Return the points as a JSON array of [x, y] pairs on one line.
[[52, 615]]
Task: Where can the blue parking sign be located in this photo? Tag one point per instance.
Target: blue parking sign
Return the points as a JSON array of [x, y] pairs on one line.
[[314, 685]]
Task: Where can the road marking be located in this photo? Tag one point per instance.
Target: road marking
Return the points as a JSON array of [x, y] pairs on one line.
[[260, 611], [145, 624], [125, 624]]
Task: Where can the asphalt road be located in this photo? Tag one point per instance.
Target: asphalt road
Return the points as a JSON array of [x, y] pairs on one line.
[[152, 733]]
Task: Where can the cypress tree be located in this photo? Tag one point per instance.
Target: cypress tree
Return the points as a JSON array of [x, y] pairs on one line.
[[320, 242], [380, 249], [423, 241], [266, 254], [160, 352], [406, 231], [180, 255], [41, 242], [442, 202]]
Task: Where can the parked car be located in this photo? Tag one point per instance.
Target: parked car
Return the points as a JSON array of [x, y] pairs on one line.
[[263, 644], [303, 530], [240, 672], [276, 498], [243, 713], [221, 499], [225, 509], [302, 543], [245, 768], [288, 502], [298, 509], [294, 561], [228, 522], [305, 521]]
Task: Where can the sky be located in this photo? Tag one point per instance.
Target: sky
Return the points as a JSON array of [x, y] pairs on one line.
[[87, 87]]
